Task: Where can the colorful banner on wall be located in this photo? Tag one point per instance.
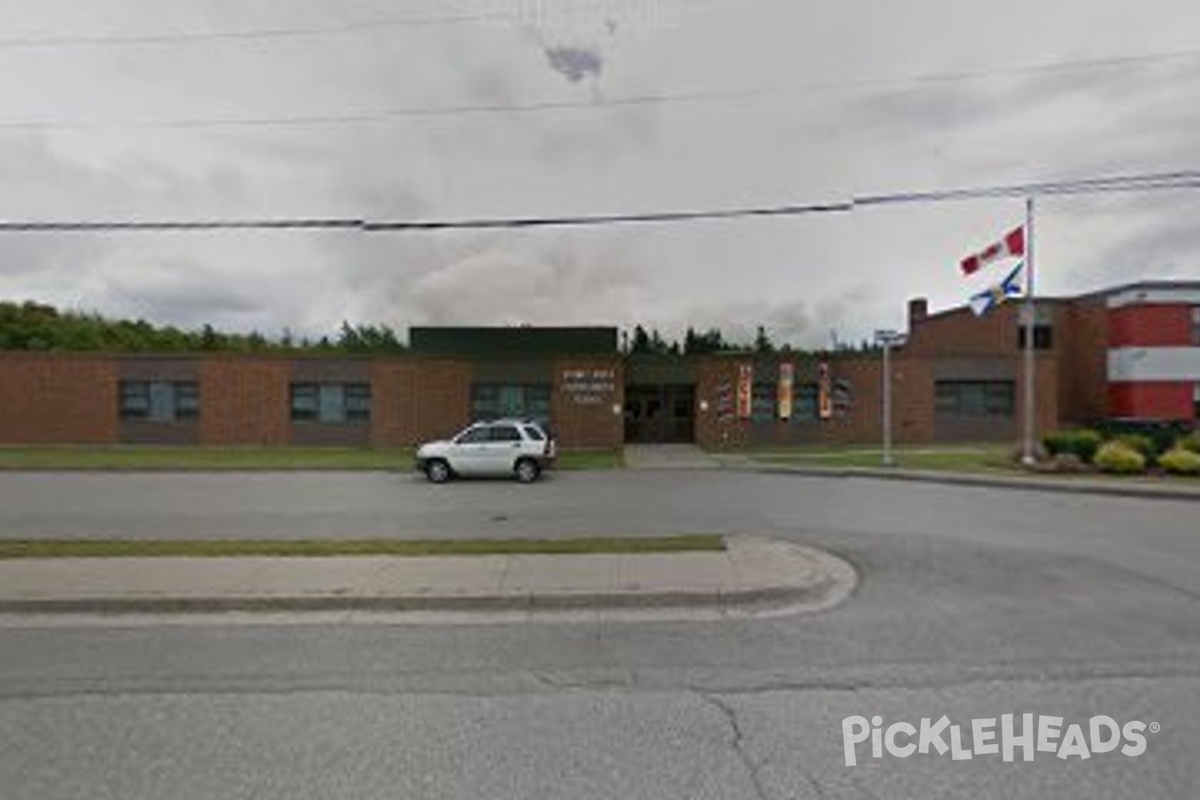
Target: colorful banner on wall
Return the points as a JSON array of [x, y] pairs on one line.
[[787, 379], [824, 392], [745, 390]]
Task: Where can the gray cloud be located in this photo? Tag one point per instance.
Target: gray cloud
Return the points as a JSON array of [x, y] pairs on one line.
[[576, 63], [800, 278]]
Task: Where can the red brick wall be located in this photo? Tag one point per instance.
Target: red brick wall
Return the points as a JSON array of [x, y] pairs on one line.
[[1152, 399], [245, 400], [1150, 325], [53, 399], [960, 332], [912, 399], [587, 401], [1082, 337], [416, 400], [912, 403]]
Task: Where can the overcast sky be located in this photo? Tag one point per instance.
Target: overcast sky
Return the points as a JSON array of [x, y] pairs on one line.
[[128, 109]]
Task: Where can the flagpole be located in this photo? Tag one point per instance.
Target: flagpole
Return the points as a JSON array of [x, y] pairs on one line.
[[1029, 452]]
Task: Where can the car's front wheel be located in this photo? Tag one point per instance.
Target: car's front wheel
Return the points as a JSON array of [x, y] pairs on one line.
[[437, 471], [527, 470]]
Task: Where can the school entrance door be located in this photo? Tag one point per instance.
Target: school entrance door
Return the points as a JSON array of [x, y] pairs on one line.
[[660, 414]]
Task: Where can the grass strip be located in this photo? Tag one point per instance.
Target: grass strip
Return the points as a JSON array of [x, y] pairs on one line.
[[981, 460], [201, 458], [153, 457], [600, 459], [212, 548]]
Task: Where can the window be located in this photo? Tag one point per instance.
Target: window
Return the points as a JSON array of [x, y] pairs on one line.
[[1196, 325], [159, 401], [1043, 337], [533, 433], [1196, 401], [475, 436], [763, 397], [505, 433], [494, 401], [804, 402], [331, 402], [975, 398]]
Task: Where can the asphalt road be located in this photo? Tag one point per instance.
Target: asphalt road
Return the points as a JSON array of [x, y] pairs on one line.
[[972, 604]]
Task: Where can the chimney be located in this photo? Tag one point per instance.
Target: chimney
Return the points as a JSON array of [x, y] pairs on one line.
[[918, 310]]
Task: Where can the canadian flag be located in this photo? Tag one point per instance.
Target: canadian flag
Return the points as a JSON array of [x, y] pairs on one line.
[[1011, 245]]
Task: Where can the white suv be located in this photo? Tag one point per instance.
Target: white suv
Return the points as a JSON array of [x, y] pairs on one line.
[[517, 447]]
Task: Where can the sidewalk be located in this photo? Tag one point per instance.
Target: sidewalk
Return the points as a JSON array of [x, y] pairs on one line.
[[668, 456], [752, 573]]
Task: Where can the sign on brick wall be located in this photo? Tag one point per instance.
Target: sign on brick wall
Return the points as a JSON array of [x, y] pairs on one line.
[[745, 390], [587, 387], [786, 382]]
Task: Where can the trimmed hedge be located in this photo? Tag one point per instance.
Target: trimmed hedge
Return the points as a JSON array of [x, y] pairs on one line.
[[1119, 458], [1144, 445], [1162, 433], [1180, 462], [1190, 443], [1082, 444]]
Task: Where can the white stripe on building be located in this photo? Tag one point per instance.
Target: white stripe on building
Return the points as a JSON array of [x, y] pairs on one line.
[[1154, 364], [1155, 296]]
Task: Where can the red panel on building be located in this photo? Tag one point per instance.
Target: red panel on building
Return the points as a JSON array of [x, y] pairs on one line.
[[1151, 325], [1151, 400]]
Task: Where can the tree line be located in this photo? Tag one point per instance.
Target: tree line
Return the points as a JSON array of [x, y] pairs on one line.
[[712, 340], [34, 326]]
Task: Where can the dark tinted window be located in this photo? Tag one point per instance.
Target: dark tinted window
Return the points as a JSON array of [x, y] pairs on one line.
[[533, 433], [975, 398], [474, 436], [331, 402], [1043, 337], [159, 401], [505, 433]]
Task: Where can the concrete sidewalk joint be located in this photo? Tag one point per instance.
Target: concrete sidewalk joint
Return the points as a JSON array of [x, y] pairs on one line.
[[752, 574]]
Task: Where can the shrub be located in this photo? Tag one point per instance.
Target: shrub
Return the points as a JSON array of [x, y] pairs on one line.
[[1190, 442], [1120, 459], [1080, 443], [1163, 433], [1143, 445], [1180, 462]]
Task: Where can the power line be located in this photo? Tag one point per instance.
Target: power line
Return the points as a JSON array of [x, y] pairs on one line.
[[390, 115], [1154, 181], [241, 34], [378, 117]]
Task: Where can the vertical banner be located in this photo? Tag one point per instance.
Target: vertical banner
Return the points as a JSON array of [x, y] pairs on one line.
[[824, 392], [787, 377], [745, 390]]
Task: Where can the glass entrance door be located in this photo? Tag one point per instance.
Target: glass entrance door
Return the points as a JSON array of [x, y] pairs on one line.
[[660, 414]]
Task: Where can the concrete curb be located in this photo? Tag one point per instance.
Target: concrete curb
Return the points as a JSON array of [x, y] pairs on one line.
[[828, 581], [1061, 485]]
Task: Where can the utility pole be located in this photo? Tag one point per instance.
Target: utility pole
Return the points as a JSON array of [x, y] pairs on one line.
[[1029, 449], [887, 338]]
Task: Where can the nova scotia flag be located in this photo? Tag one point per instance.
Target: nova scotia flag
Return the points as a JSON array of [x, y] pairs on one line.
[[988, 299]]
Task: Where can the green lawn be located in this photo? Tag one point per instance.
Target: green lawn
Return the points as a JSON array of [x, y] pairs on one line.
[[209, 548], [977, 458], [205, 458], [248, 458], [607, 458]]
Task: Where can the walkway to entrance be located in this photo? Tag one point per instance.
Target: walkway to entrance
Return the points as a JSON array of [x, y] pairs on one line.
[[668, 456]]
